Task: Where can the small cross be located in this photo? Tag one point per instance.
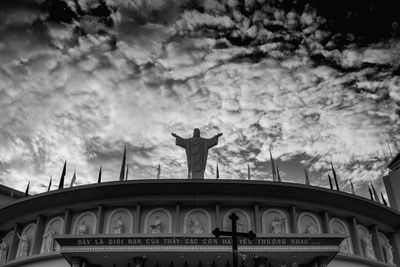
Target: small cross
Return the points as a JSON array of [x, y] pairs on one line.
[[234, 234]]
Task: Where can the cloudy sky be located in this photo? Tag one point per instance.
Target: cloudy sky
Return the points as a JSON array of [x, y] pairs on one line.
[[315, 81]]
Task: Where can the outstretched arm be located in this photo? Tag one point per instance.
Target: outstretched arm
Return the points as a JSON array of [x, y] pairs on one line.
[[213, 141], [179, 141]]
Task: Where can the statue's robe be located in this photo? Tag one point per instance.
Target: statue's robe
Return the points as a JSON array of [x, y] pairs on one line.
[[196, 153]]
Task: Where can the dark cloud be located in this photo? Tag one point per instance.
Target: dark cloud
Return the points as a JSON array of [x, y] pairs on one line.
[[315, 81]]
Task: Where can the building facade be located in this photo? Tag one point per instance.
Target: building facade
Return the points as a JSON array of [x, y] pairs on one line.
[[157, 223]]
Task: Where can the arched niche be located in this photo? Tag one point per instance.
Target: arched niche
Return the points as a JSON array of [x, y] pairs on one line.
[[365, 238], [85, 224], [308, 223], [275, 221], [158, 221], [243, 224], [386, 248], [120, 221], [53, 227], [25, 241], [197, 221], [337, 226], [5, 246]]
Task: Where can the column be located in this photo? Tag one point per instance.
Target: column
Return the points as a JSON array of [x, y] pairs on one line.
[[217, 216], [37, 239], [375, 242], [14, 243], [138, 213], [177, 225], [325, 222], [100, 219], [354, 236], [293, 220], [257, 228], [67, 223]]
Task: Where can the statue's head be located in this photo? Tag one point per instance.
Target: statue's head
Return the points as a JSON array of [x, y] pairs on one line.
[[196, 132]]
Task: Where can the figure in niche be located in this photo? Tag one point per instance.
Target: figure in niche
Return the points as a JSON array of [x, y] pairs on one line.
[[24, 247], [49, 240], [119, 226], [240, 226], [196, 226], [343, 247], [311, 228], [3, 251], [82, 228], [367, 246], [156, 227], [389, 252], [277, 224]]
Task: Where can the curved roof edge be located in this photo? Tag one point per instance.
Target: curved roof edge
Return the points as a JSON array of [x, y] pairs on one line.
[[253, 190]]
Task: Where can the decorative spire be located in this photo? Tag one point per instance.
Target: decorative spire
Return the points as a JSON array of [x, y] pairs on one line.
[[374, 191], [217, 171], [272, 166], [384, 200], [306, 176], [127, 171], [73, 179], [122, 173], [248, 172], [27, 189], [61, 184], [99, 177], [330, 181], [335, 177], [50, 181], [370, 193], [353, 191], [158, 171], [278, 175]]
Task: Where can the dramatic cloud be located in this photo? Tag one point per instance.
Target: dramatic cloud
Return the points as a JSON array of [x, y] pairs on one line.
[[81, 79]]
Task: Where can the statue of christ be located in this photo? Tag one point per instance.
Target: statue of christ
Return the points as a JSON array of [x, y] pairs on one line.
[[196, 152]]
